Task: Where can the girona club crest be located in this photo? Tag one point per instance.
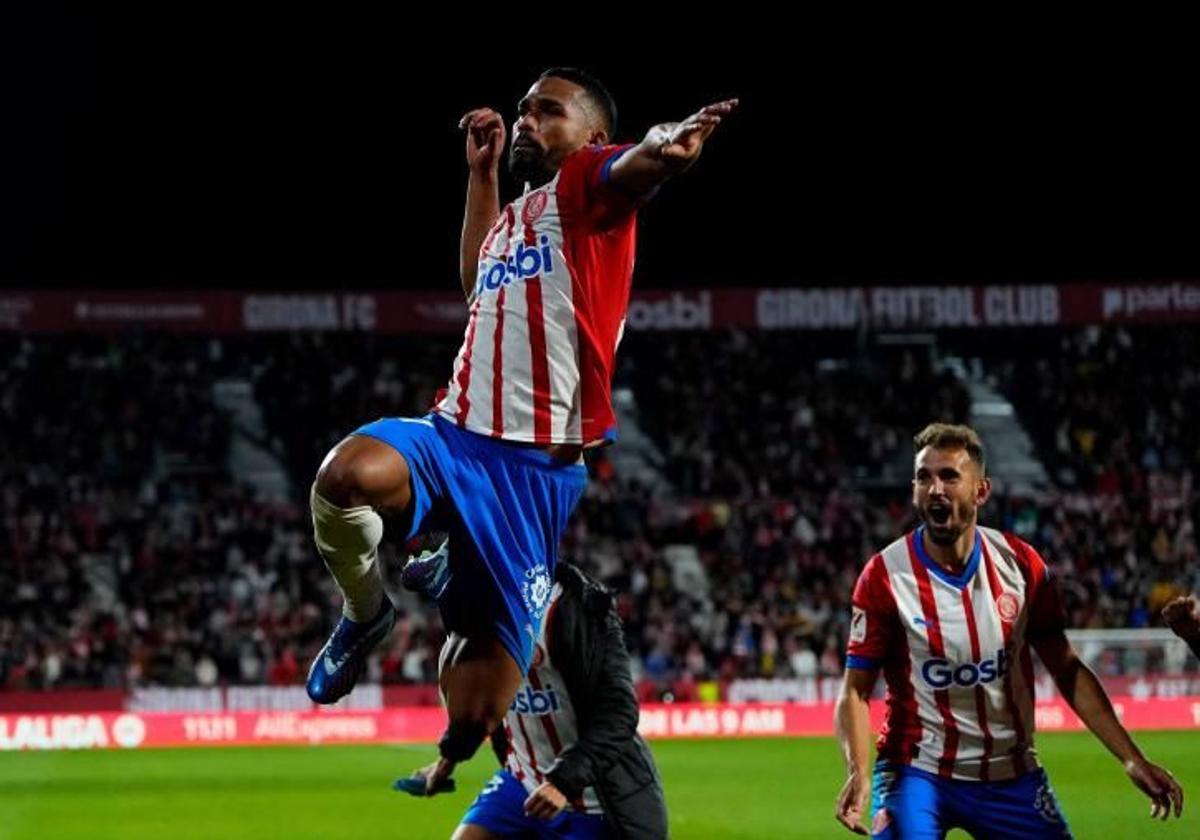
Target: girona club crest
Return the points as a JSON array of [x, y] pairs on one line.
[[1008, 606], [535, 205]]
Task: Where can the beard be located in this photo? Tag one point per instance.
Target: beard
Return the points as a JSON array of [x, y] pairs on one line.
[[527, 163]]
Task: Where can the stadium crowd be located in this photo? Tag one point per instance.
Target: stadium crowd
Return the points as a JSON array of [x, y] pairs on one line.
[[131, 553]]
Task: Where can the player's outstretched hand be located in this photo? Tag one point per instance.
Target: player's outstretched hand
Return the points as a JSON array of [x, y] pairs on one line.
[[685, 140], [852, 803], [1157, 783]]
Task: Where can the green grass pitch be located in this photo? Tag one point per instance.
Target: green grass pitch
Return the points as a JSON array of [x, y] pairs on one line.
[[757, 788]]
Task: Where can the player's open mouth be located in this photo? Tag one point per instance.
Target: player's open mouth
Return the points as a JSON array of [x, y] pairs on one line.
[[939, 513]]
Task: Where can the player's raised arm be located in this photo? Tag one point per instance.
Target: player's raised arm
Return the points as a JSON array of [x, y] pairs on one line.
[[667, 150], [485, 146]]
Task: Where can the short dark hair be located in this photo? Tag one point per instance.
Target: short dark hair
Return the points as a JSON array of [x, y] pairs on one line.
[[952, 436], [595, 90]]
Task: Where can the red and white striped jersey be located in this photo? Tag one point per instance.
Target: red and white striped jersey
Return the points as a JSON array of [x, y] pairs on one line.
[[955, 653], [541, 721], [548, 310]]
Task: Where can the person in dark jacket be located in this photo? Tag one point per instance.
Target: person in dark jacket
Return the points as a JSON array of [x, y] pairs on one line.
[[573, 764]]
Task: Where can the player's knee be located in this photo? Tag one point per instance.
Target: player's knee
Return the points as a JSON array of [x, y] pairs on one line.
[[340, 479], [360, 471], [463, 737]]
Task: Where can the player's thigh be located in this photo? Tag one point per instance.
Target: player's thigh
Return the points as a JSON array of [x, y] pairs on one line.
[[478, 678], [1023, 809], [498, 811], [906, 806]]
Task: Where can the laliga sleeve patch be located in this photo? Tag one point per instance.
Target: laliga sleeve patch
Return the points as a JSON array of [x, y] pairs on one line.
[[858, 624]]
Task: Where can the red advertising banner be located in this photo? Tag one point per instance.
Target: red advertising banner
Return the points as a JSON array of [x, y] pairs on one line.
[[802, 308], [132, 730], [800, 691]]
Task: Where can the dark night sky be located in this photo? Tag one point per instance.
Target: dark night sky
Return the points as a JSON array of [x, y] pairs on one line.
[[265, 153]]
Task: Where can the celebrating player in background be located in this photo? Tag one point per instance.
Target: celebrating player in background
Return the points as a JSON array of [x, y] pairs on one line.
[[949, 613]]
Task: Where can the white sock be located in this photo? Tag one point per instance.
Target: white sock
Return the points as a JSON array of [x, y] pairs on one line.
[[348, 539]]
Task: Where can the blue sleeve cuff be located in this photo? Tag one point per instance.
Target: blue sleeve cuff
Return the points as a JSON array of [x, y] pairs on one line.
[[864, 663], [616, 155]]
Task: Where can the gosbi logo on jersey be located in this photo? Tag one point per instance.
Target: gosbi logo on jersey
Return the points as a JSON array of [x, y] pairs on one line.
[[528, 261], [534, 702], [942, 673]]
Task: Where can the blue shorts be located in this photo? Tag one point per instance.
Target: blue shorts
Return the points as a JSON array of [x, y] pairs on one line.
[[505, 508], [923, 806], [500, 808]]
